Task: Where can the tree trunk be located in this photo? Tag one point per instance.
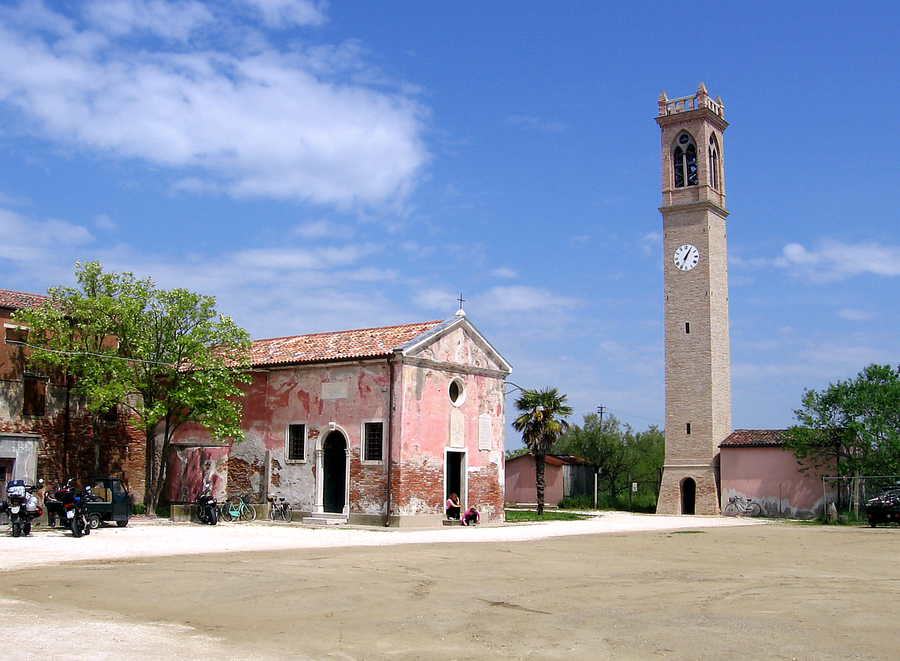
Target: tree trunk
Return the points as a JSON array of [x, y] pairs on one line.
[[539, 482]]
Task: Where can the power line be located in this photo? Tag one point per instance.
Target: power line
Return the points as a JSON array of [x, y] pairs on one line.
[[91, 353]]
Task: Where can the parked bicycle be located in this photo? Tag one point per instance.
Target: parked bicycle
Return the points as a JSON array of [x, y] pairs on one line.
[[740, 506], [279, 509], [238, 509]]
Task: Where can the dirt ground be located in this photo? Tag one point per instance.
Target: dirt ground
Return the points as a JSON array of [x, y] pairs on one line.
[[776, 591]]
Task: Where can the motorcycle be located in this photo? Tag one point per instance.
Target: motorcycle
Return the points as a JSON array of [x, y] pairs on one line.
[[207, 508], [73, 506], [22, 506]]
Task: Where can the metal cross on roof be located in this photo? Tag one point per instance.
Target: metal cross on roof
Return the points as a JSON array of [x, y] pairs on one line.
[[461, 300]]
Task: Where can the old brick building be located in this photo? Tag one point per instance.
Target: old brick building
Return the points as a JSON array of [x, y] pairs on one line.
[[362, 425], [44, 430]]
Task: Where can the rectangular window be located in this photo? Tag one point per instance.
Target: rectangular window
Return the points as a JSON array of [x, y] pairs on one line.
[[16, 335], [35, 396], [688, 428], [373, 441], [296, 443], [687, 327]]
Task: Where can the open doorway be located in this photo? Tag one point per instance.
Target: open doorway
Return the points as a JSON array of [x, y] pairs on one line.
[[455, 475], [688, 495], [334, 473], [6, 471]]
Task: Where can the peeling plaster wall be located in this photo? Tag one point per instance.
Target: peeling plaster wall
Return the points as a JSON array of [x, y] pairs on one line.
[[190, 467], [430, 424], [299, 395]]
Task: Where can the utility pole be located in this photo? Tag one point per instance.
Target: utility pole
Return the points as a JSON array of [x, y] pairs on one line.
[[601, 410]]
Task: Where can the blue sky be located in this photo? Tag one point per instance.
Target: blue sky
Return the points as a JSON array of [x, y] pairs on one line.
[[319, 167]]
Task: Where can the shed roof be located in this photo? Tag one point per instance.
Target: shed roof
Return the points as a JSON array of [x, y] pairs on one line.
[[16, 300], [336, 345], [754, 438], [556, 459]]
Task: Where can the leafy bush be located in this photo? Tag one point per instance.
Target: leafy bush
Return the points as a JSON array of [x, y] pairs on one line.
[[138, 508], [577, 503]]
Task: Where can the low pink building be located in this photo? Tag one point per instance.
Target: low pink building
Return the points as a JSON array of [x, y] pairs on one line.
[[755, 464], [564, 476], [373, 425]]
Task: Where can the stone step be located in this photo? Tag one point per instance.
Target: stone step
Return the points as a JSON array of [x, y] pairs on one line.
[[452, 522], [326, 519]]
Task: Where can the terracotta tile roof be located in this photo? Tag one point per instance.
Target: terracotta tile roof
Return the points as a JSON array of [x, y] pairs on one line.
[[17, 300], [338, 345], [754, 438], [555, 459]]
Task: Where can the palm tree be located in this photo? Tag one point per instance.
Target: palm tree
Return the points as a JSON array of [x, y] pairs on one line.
[[541, 421]]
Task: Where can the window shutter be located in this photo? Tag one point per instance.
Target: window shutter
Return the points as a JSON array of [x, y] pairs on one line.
[[485, 441]]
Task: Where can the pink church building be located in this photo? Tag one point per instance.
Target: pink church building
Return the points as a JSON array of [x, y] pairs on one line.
[[375, 426]]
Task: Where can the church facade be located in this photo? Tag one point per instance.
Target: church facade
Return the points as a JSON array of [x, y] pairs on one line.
[[372, 426]]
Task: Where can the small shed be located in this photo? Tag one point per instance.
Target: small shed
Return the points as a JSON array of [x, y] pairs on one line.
[[565, 476], [755, 464]]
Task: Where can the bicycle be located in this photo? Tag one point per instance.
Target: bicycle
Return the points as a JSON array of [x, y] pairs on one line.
[[238, 509], [740, 506], [279, 508]]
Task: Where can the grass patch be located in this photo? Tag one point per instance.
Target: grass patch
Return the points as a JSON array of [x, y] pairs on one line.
[[518, 516]]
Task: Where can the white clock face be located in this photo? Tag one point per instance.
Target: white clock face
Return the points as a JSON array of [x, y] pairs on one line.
[[687, 257]]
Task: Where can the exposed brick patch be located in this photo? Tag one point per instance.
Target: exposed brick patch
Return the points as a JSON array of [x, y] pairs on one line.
[[485, 492], [418, 486], [368, 486]]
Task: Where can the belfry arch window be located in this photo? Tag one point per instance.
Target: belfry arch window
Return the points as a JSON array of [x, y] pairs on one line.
[[715, 167], [684, 161]]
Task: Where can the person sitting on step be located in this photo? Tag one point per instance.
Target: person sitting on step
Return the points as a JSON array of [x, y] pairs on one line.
[[453, 507]]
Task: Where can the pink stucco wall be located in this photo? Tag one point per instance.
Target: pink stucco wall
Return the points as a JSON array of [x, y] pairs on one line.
[[772, 477], [520, 488]]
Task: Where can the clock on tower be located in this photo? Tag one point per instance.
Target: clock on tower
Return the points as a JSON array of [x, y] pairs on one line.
[[698, 361]]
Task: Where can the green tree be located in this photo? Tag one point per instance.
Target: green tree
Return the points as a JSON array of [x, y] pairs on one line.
[[617, 453], [166, 356], [541, 421], [855, 422]]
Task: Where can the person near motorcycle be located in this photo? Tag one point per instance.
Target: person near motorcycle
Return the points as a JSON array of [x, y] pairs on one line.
[[207, 507]]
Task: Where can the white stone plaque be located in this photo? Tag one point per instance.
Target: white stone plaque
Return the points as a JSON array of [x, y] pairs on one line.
[[334, 390], [485, 439], [457, 429]]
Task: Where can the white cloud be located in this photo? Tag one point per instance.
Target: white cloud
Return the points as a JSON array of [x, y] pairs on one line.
[[297, 125], [853, 314], [436, 299], [176, 19], [287, 13], [504, 272], [534, 123], [521, 298], [27, 240], [834, 260], [322, 229]]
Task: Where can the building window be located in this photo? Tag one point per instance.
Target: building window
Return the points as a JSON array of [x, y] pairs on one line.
[[715, 170], [684, 161], [296, 443], [16, 335], [35, 396], [687, 328], [373, 441], [457, 392], [688, 428]]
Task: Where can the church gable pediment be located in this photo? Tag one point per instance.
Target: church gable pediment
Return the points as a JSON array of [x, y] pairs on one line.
[[459, 343]]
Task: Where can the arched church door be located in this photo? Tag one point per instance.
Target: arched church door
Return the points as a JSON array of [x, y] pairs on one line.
[[688, 495], [334, 472]]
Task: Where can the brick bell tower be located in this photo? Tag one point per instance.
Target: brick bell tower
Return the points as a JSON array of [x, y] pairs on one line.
[[698, 354]]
